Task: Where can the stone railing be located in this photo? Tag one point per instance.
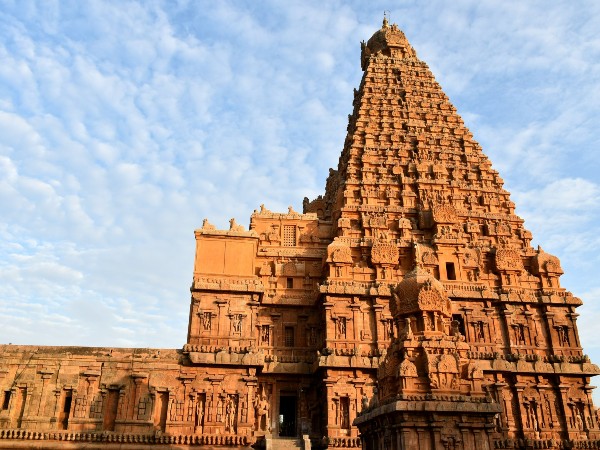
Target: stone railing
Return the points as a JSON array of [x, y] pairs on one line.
[[546, 443], [124, 438], [345, 442]]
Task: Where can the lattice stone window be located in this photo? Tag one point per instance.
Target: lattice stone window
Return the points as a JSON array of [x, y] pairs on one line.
[[289, 235], [265, 334], [288, 334]]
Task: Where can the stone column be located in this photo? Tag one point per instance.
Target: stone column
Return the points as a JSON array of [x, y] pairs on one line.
[[45, 376], [572, 432], [468, 324], [575, 335], [251, 383], [379, 331], [356, 323], [547, 317], [329, 324], [222, 319]]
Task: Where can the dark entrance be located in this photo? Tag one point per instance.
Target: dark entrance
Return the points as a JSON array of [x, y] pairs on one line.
[[287, 416]]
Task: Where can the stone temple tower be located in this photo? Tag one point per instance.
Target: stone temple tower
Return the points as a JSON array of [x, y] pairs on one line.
[[405, 308], [477, 343]]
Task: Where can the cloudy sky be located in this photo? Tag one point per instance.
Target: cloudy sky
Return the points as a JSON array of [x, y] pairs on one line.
[[123, 124]]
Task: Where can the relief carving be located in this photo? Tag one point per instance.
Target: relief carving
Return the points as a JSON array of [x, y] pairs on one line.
[[508, 259], [444, 213], [339, 252], [384, 252]]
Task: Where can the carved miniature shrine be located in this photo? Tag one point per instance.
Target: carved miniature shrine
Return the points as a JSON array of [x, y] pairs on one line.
[[405, 305]]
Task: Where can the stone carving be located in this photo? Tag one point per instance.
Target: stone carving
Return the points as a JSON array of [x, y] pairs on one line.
[[207, 226], [339, 252], [272, 235], [236, 323], [341, 327], [404, 227], [407, 368], [207, 320], [508, 259], [384, 252], [365, 402], [545, 263], [429, 258], [234, 226], [432, 300], [563, 335], [199, 415], [261, 407], [231, 413], [419, 291], [289, 269], [312, 336], [444, 214]]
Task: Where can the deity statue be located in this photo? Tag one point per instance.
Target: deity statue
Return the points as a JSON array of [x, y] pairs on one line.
[[261, 407], [230, 410]]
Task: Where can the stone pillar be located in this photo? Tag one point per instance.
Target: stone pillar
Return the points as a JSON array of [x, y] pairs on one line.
[[572, 432], [379, 331], [251, 383], [222, 321], [575, 335], [330, 409], [518, 398], [591, 424], [468, 324], [45, 376], [329, 324], [548, 321], [505, 321], [356, 323]]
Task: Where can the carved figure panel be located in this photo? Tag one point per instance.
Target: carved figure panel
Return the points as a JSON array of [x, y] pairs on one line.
[[384, 253]]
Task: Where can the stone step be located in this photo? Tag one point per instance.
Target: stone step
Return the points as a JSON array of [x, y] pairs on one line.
[[285, 444]]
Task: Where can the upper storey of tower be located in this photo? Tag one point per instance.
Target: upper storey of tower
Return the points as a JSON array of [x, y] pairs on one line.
[[411, 177], [408, 152]]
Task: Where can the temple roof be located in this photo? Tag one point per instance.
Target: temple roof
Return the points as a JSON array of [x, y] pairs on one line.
[[408, 154], [389, 40]]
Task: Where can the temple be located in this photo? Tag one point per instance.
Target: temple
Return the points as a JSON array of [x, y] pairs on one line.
[[405, 308]]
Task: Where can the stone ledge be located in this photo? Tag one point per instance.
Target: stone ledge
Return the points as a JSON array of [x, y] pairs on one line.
[[433, 404]]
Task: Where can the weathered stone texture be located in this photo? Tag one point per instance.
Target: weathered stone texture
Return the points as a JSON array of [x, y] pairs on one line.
[[406, 302]]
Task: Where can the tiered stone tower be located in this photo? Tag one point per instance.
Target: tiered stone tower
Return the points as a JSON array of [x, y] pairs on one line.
[[469, 316], [407, 303]]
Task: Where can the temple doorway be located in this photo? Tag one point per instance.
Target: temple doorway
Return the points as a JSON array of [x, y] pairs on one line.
[[287, 415]]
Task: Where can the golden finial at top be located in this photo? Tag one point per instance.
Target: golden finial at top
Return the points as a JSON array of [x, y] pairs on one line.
[[385, 19]]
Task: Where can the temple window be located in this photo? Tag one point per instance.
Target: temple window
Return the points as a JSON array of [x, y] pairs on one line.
[[289, 236], [288, 336], [450, 272], [6, 400]]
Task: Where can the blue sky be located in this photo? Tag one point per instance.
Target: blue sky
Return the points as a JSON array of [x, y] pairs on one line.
[[123, 124]]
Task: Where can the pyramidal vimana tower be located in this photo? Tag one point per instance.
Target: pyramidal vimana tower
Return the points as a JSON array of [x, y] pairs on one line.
[[405, 308]]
